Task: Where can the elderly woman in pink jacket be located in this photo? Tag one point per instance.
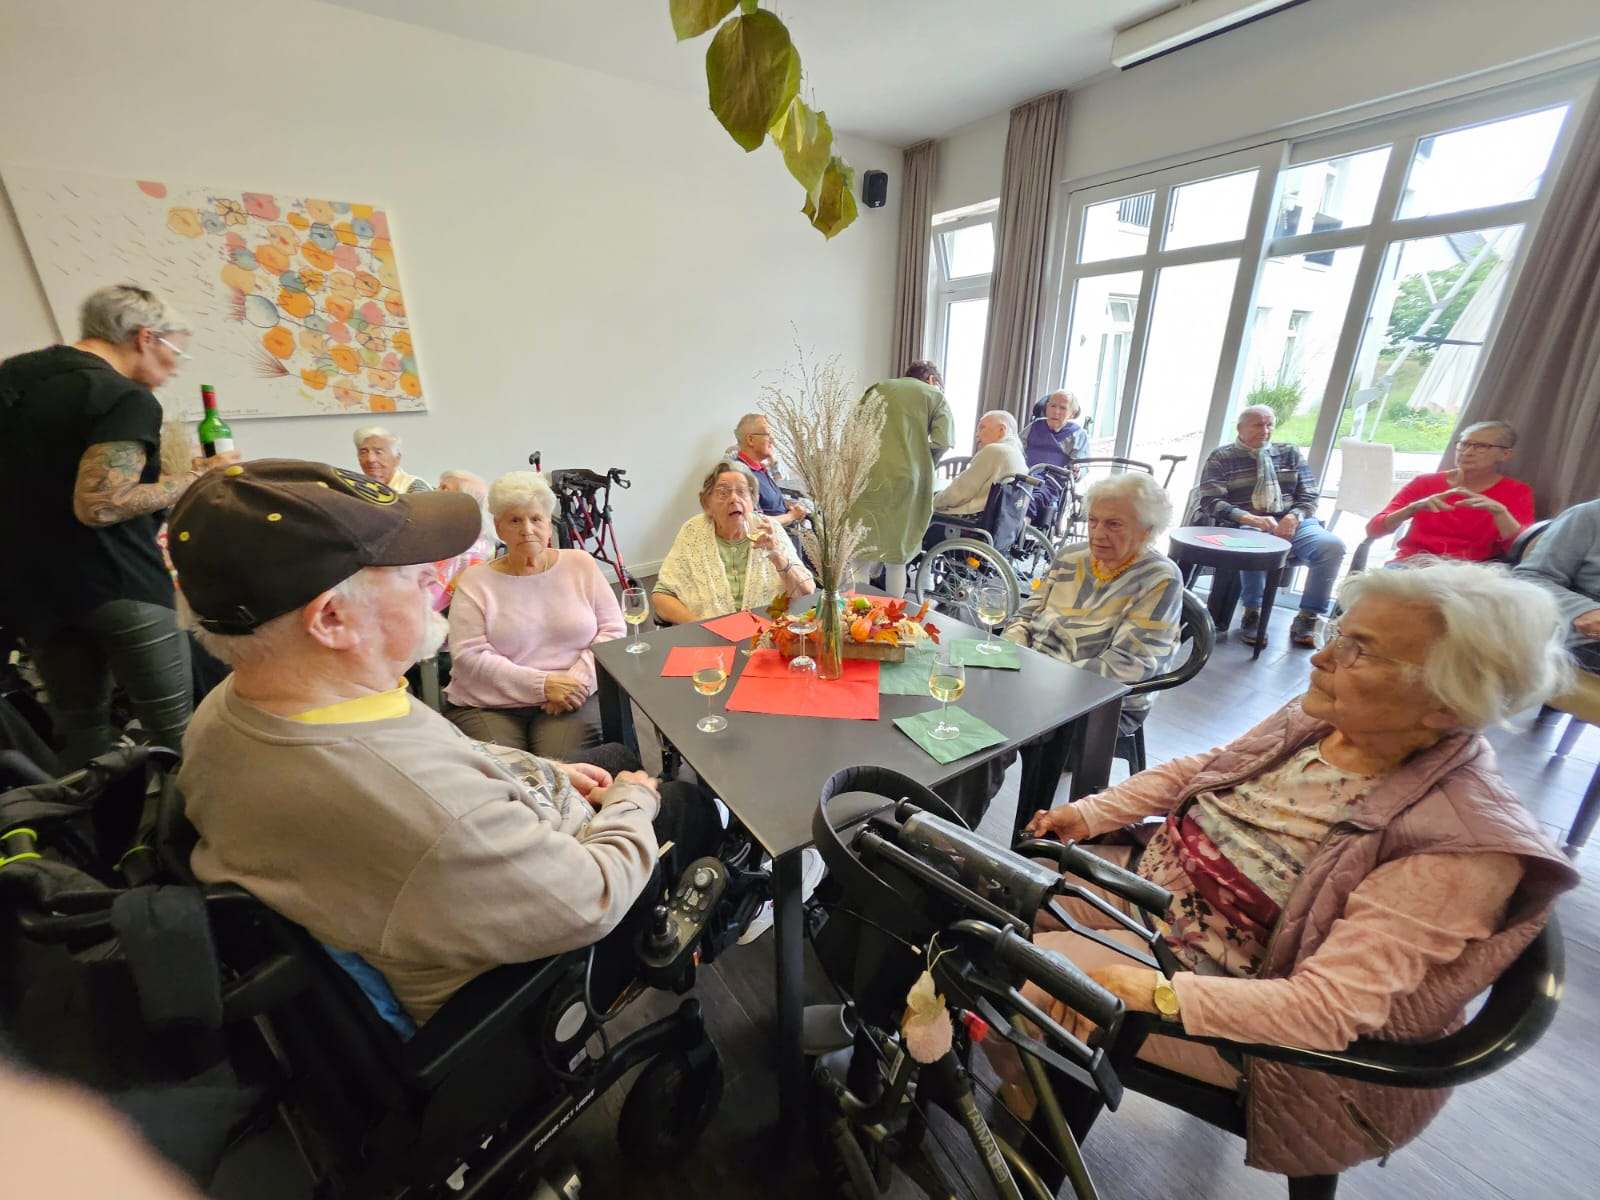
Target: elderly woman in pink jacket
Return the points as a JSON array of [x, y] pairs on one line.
[[1353, 866]]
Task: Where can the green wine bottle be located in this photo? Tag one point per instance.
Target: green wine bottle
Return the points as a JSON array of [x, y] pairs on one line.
[[215, 436]]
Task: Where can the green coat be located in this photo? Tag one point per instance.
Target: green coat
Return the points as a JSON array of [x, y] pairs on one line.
[[917, 428]]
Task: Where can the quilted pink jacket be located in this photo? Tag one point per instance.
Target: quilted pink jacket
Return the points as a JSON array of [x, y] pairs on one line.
[[1448, 799]]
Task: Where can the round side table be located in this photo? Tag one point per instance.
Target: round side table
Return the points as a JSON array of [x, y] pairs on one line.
[[1226, 549]]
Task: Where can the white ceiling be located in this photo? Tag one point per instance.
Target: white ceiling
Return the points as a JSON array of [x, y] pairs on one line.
[[894, 70]]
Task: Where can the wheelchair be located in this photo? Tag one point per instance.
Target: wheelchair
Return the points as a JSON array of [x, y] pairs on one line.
[[470, 1105], [994, 547]]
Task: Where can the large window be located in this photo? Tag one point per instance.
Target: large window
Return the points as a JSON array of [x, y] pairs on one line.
[[960, 266], [1351, 282]]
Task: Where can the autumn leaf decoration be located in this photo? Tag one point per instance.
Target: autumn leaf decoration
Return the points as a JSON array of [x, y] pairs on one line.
[[753, 77]]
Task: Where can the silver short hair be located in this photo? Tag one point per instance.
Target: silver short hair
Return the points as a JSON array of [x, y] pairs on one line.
[[269, 639], [1152, 507], [521, 489], [746, 423], [1263, 409], [1075, 408], [709, 483], [1007, 421], [367, 432], [472, 485], [1503, 648], [116, 313], [1506, 430]]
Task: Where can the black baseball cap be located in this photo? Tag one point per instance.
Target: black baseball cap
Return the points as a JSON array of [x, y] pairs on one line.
[[254, 540]]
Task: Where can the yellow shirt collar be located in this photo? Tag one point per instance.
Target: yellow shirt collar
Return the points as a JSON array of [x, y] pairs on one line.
[[380, 706]]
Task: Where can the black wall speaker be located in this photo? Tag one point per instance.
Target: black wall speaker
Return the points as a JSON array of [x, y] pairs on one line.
[[874, 188]]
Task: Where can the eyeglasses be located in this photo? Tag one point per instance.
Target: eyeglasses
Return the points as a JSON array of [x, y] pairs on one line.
[[181, 354], [1481, 446], [727, 493], [1347, 652]]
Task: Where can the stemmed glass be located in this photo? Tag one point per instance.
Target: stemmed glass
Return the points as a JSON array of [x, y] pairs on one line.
[[993, 609], [752, 530], [635, 609], [947, 680], [709, 682], [804, 624]]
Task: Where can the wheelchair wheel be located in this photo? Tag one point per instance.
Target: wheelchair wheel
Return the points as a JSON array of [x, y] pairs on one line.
[[1033, 557], [669, 1107], [952, 573]]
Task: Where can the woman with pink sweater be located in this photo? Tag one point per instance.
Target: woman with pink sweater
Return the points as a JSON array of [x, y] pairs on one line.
[[1354, 866], [522, 673]]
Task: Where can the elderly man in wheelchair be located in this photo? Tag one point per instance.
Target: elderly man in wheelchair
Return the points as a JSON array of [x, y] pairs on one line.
[[420, 861]]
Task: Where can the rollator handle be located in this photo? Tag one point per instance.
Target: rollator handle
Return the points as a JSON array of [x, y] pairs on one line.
[[1056, 974], [1075, 860]]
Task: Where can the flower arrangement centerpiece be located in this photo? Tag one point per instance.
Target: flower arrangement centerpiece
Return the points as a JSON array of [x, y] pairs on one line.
[[828, 437], [873, 627]]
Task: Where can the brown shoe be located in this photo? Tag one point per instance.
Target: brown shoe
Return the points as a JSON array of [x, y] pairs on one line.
[[1306, 631]]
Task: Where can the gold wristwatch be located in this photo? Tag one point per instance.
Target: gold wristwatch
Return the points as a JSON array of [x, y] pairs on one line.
[[1165, 997]]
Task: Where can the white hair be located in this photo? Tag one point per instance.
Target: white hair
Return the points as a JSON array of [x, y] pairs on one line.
[[1503, 648], [472, 485], [745, 425], [1264, 409], [1505, 429], [1152, 507], [367, 432], [270, 639], [116, 313], [1007, 421], [1072, 403], [520, 489]]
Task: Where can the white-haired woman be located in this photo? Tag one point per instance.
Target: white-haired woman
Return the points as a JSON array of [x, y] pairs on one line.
[[713, 568], [378, 452], [521, 628], [81, 493], [1353, 866], [448, 570], [1111, 606]]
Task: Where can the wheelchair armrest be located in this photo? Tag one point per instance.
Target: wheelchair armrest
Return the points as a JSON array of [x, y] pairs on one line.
[[478, 1013]]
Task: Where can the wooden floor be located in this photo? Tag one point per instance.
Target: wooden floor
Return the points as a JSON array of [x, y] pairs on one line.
[[1524, 1134]]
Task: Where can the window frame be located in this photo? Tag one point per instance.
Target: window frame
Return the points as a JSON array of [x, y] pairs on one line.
[[943, 291]]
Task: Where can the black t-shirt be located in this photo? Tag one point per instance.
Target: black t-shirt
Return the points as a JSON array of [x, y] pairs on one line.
[[55, 404]]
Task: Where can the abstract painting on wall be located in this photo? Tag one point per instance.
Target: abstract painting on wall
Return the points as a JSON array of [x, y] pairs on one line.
[[295, 302]]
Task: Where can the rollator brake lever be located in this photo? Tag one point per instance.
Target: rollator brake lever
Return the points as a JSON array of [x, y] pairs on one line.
[[1095, 935], [1094, 1072]]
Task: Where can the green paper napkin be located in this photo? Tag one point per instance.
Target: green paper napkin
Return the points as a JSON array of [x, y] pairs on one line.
[[967, 653], [908, 678], [975, 735]]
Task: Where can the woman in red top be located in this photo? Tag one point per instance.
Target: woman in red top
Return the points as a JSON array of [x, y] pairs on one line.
[[1472, 512]]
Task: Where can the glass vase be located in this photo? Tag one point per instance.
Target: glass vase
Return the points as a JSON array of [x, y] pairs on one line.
[[830, 635]]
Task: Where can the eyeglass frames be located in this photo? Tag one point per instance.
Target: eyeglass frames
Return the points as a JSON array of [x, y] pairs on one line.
[[1346, 652]]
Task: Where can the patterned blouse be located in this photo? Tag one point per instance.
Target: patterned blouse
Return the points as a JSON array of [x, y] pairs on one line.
[[1125, 628], [1264, 829]]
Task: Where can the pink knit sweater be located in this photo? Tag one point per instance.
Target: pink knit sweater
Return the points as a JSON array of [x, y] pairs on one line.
[[508, 632]]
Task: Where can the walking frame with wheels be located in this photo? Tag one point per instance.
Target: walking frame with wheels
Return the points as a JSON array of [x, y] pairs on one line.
[[584, 522]]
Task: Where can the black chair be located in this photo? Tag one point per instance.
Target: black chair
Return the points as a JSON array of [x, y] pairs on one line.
[[1523, 542], [1195, 629], [949, 468], [1515, 1014]]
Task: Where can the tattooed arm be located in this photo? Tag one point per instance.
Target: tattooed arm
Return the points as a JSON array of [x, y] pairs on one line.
[[108, 489]]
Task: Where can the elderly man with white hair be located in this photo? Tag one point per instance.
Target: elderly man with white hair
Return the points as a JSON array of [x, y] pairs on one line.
[[343, 803], [753, 446], [1257, 483], [998, 456], [378, 452]]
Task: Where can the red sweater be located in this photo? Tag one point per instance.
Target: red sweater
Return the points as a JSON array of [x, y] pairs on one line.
[[1467, 533]]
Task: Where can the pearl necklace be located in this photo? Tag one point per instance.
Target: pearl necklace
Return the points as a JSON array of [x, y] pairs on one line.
[[1104, 576]]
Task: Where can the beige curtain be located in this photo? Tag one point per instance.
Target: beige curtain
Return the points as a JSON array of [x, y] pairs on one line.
[[1016, 293], [911, 274], [1543, 371]]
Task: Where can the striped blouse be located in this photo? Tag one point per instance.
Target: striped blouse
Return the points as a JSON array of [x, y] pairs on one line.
[[1125, 628]]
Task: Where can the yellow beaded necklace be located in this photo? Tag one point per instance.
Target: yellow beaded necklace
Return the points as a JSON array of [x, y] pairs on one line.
[[1104, 576]]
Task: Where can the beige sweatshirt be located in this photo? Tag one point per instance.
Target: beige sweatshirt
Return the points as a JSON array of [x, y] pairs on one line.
[[432, 856]]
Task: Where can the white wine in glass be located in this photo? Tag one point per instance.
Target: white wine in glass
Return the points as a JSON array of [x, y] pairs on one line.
[[947, 681], [993, 609], [709, 682], [635, 611]]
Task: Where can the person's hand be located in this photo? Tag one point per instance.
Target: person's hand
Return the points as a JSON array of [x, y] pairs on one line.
[[589, 779], [563, 692], [1286, 525], [1065, 823], [643, 778], [1436, 503], [1253, 521], [200, 464], [794, 514], [1485, 503], [1134, 986], [765, 535], [1587, 624]]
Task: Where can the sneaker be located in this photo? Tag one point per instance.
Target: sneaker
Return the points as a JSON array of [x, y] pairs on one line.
[[1252, 629], [1250, 619], [1306, 630], [812, 869]]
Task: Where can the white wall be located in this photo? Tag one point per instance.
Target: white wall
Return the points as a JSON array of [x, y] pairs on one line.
[[1307, 62], [593, 268]]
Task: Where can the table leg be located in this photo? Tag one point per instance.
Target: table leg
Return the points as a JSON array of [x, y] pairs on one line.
[[789, 975], [1267, 599], [616, 711], [1098, 748]]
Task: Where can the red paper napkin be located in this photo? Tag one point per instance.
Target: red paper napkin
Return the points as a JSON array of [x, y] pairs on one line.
[[768, 686], [684, 661], [736, 627], [769, 664]]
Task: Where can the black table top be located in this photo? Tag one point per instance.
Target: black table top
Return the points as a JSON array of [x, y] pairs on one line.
[[1189, 545], [770, 770]]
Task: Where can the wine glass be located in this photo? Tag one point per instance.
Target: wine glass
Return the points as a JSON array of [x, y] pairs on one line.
[[806, 623], [753, 526], [947, 680], [993, 608], [635, 608], [709, 681]]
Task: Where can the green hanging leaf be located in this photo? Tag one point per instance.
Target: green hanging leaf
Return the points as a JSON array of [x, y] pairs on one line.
[[832, 207], [753, 71], [806, 140], [691, 18]]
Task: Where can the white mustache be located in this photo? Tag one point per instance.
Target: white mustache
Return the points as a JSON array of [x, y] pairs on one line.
[[434, 632]]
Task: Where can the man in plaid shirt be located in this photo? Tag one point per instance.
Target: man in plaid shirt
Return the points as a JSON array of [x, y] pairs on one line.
[[1258, 485]]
